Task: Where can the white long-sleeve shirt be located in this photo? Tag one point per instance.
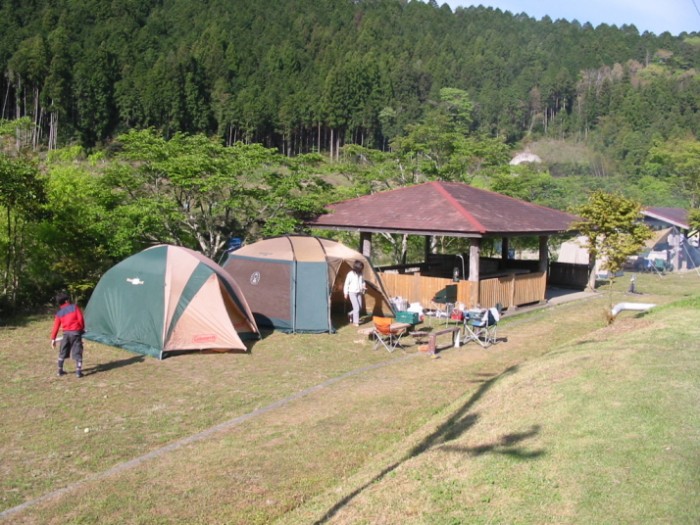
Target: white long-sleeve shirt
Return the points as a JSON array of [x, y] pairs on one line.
[[354, 283]]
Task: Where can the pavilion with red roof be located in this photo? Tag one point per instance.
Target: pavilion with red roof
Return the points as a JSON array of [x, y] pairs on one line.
[[456, 210]]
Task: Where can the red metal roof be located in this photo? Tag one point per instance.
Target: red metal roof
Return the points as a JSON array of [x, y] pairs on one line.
[[675, 216], [444, 208]]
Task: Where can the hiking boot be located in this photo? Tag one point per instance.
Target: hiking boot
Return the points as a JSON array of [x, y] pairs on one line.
[[61, 373], [78, 374]]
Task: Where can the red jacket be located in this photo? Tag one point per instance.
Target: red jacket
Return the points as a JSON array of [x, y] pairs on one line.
[[70, 318]]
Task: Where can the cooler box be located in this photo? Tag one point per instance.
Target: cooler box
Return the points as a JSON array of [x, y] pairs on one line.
[[407, 317]]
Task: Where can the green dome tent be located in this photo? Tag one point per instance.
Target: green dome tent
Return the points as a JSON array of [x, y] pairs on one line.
[[292, 282], [169, 298]]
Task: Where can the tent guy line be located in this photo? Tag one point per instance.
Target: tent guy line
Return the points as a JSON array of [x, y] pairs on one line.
[[175, 445]]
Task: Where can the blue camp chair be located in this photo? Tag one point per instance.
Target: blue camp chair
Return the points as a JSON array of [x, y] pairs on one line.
[[482, 327]]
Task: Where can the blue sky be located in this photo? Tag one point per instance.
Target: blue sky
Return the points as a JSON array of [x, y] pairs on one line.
[[657, 16]]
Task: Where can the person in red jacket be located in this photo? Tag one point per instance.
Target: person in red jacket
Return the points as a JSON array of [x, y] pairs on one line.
[[70, 318]]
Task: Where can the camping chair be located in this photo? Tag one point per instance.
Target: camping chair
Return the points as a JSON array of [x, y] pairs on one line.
[[385, 335], [444, 302], [660, 266], [482, 328]]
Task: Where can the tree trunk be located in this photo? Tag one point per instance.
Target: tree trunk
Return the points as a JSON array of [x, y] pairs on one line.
[[37, 120], [332, 143], [8, 255], [404, 248], [53, 130], [591, 273], [337, 147], [4, 101]]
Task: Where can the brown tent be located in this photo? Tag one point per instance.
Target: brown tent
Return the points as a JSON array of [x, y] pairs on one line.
[[293, 282]]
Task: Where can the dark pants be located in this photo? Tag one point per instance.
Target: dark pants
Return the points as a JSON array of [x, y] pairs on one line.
[[71, 346]]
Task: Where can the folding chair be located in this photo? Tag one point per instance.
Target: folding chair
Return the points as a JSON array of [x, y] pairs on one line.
[[482, 329], [660, 266], [384, 334]]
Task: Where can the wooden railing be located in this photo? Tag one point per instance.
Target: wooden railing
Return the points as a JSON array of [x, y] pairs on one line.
[[497, 290], [508, 290], [529, 288], [420, 289]]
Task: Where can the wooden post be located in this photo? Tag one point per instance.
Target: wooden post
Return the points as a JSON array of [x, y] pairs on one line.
[[474, 254], [544, 254], [366, 244], [511, 295], [544, 261], [426, 249], [504, 252]]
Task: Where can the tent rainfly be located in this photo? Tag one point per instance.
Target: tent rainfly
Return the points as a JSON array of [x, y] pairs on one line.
[[293, 282], [169, 298]]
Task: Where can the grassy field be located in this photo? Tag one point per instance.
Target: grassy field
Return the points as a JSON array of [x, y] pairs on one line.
[[568, 421]]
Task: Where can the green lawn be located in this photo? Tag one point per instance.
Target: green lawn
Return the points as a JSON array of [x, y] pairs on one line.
[[569, 421]]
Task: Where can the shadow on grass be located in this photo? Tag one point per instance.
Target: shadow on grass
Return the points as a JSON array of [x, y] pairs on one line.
[[265, 331], [503, 446], [12, 322], [106, 367], [456, 425]]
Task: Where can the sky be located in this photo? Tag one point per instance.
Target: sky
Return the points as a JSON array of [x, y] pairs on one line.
[[656, 16]]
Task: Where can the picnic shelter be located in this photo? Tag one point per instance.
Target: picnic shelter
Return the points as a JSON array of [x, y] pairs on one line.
[[454, 209]]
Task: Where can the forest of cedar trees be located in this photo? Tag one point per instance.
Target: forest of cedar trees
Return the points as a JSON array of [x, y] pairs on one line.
[[127, 123]]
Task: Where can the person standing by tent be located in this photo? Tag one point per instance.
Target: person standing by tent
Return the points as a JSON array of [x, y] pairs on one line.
[[70, 318], [353, 290]]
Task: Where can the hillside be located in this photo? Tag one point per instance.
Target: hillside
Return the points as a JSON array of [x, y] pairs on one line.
[[303, 75], [127, 123]]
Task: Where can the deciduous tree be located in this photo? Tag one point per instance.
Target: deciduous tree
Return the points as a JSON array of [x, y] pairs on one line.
[[613, 230], [679, 159]]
